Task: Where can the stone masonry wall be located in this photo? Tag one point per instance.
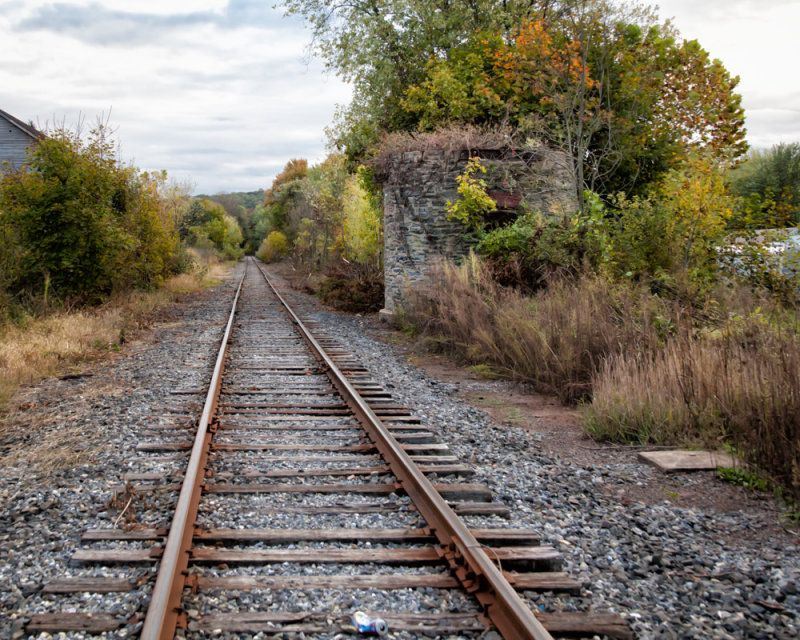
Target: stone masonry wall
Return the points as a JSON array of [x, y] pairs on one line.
[[417, 186]]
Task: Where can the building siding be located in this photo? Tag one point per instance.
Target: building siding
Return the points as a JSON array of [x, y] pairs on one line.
[[13, 144]]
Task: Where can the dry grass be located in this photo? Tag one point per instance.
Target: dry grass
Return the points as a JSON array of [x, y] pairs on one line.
[[725, 373], [739, 386], [445, 139], [555, 340], [58, 343], [61, 439]]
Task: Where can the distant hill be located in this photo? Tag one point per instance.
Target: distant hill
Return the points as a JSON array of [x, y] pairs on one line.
[[246, 199]]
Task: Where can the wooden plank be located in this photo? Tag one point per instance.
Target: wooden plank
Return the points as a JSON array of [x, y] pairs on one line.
[[442, 469], [526, 537], [683, 460], [461, 508], [89, 585], [364, 488], [581, 625], [281, 427], [301, 459], [254, 446], [87, 622], [93, 535], [411, 436], [309, 473], [290, 413], [315, 535], [278, 405], [464, 492], [531, 558], [296, 390], [164, 446], [367, 448], [430, 623], [112, 556], [545, 581], [541, 581]]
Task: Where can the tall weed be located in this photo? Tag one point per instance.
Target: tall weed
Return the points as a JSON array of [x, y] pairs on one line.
[[738, 385], [555, 340], [718, 370]]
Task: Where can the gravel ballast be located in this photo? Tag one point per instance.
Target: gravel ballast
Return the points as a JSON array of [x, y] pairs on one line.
[[666, 569]]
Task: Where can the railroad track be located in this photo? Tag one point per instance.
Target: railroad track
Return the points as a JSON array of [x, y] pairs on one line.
[[305, 492]]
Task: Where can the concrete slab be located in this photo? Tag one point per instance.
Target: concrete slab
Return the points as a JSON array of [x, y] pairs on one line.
[[680, 460]]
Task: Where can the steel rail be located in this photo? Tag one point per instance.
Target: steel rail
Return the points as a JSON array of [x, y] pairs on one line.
[[164, 612], [467, 559]]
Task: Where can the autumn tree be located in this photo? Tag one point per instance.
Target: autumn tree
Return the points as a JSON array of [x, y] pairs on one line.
[[616, 91], [382, 48], [281, 198]]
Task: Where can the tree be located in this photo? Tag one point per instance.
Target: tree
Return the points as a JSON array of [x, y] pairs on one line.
[[323, 189], [363, 239], [770, 182], [274, 247], [214, 225], [84, 225], [614, 90], [383, 47]]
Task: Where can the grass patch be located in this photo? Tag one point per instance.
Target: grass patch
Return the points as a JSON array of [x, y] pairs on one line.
[[35, 347], [743, 478], [738, 385]]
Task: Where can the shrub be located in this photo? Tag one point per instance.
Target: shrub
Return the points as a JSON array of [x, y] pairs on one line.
[[82, 225], [351, 287], [473, 202], [274, 247]]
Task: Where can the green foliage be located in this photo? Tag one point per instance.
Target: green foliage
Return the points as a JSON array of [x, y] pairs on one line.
[[383, 48], [769, 181], [274, 247], [743, 477], [473, 203], [214, 230], [81, 226], [668, 238], [362, 231], [458, 88]]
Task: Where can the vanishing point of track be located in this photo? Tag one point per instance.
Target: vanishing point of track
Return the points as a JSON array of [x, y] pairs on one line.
[[289, 415]]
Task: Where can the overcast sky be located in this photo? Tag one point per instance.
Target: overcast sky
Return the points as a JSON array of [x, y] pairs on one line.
[[218, 92]]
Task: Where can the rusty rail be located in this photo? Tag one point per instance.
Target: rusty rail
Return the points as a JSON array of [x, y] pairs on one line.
[[164, 612], [469, 563]]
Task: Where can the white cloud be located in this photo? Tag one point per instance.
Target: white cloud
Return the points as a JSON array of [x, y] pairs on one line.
[[218, 91], [215, 92]]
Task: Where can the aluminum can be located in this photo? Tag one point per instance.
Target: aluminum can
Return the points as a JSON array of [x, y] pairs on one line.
[[369, 626]]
